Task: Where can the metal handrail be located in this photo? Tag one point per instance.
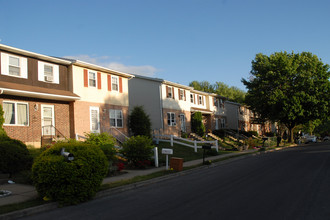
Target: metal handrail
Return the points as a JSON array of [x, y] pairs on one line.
[[55, 133]]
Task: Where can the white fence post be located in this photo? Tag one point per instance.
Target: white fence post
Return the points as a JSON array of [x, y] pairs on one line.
[[77, 137], [195, 146], [216, 145], [171, 140], [156, 156]]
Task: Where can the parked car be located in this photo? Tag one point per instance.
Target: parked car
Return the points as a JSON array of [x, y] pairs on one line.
[[309, 138], [326, 138]]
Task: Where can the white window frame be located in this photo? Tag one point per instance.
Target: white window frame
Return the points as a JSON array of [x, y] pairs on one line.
[[182, 95], [41, 72], [93, 108], [116, 119], [95, 74], [192, 98], [15, 106], [200, 100], [113, 83], [171, 119], [22, 64]]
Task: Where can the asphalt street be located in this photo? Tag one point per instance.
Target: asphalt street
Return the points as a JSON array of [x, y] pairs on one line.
[[287, 184]]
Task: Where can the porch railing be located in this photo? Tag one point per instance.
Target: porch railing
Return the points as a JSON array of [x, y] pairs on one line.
[[52, 132], [116, 133]]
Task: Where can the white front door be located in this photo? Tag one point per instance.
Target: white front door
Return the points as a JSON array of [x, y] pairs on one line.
[[47, 120], [183, 122], [94, 119]]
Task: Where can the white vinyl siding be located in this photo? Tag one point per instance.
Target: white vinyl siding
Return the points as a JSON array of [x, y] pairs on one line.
[[16, 113], [48, 72], [14, 66], [116, 118]]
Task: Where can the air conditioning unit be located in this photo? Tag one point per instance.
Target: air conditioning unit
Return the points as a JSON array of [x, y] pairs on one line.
[[49, 78]]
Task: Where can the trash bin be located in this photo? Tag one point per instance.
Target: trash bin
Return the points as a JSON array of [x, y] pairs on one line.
[[176, 163]]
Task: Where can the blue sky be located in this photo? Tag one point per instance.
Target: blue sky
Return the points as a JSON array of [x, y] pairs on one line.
[[177, 40]]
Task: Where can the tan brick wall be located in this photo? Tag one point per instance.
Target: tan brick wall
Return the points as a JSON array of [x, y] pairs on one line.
[[82, 117], [31, 134]]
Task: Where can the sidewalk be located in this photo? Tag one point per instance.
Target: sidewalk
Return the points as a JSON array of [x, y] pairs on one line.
[[21, 193]]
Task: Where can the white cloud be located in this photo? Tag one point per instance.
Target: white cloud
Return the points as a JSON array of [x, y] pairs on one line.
[[145, 70]]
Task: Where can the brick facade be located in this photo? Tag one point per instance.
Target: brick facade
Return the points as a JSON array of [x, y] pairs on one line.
[[176, 129], [82, 117], [31, 133]]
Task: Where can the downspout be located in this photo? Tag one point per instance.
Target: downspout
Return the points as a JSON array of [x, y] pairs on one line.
[[161, 106]]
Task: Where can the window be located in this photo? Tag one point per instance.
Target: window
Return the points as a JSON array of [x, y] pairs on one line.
[[15, 113], [182, 95], [92, 79], [222, 123], [48, 72], [222, 105], [116, 118], [114, 83], [94, 119], [200, 100], [169, 92], [171, 119], [13, 65], [192, 98], [216, 102]]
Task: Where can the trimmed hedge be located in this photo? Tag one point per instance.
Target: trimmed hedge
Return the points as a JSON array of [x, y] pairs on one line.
[[69, 182], [15, 156]]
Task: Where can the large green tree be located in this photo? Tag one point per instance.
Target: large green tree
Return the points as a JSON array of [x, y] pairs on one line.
[[231, 92], [290, 88]]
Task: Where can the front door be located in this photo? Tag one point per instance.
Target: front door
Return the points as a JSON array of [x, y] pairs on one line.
[[47, 120], [183, 123]]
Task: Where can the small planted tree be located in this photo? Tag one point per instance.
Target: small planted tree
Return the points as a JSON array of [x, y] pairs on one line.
[[197, 125], [138, 150], [139, 122]]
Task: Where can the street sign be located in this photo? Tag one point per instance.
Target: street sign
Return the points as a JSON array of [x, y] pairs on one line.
[[167, 151]]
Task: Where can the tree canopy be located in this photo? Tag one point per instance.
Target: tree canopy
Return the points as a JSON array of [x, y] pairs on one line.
[[232, 93], [290, 88], [139, 122]]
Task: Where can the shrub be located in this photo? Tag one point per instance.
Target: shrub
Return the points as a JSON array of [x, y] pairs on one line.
[[138, 150], [69, 182], [197, 125], [15, 156], [219, 133], [139, 122], [95, 139], [255, 133], [251, 142]]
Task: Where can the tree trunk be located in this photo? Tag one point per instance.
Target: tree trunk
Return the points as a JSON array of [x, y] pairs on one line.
[[291, 140]]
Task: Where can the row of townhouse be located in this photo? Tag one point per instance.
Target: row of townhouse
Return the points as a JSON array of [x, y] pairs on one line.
[[171, 105], [45, 97]]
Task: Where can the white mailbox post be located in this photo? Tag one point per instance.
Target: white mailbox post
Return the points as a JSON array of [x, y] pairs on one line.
[[167, 152]]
